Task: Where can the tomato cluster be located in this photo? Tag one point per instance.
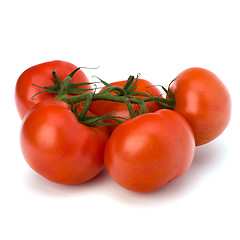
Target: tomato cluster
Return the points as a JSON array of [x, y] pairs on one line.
[[143, 138]]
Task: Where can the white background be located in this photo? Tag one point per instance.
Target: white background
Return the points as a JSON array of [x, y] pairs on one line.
[[158, 39]]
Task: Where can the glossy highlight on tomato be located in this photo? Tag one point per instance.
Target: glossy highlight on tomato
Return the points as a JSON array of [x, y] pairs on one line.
[[203, 100], [41, 75], [149, 151], [58, 147]]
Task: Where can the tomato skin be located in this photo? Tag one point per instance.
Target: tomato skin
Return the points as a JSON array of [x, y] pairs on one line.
[[204, 101], [103, 107], [41, 75], [58, 147], [155, 149]]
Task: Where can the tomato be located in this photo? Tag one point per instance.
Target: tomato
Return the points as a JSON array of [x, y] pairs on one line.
[[41, 75], [101, 107], [58, 147], [147, 152], [204, 101]]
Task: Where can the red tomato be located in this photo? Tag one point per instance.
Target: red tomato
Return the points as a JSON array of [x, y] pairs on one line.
[[147, 152], [103, 107], [41, 75], [204, 101], [58, 147]]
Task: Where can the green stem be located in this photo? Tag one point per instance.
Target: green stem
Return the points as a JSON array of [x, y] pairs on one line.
[[143, 107], [107, 96], [89, 97], [130, 108], [104, 95], [63, 87], [114, 88]]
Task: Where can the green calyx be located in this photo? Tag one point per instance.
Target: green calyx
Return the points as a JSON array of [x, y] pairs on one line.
[[65, 87], [170, 102], [129, 87]]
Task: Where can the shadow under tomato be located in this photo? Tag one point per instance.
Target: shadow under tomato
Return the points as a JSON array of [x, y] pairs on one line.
[[41, 185], [206, 160]]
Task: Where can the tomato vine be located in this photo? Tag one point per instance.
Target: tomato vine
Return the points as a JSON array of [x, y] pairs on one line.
[[71, 93]]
